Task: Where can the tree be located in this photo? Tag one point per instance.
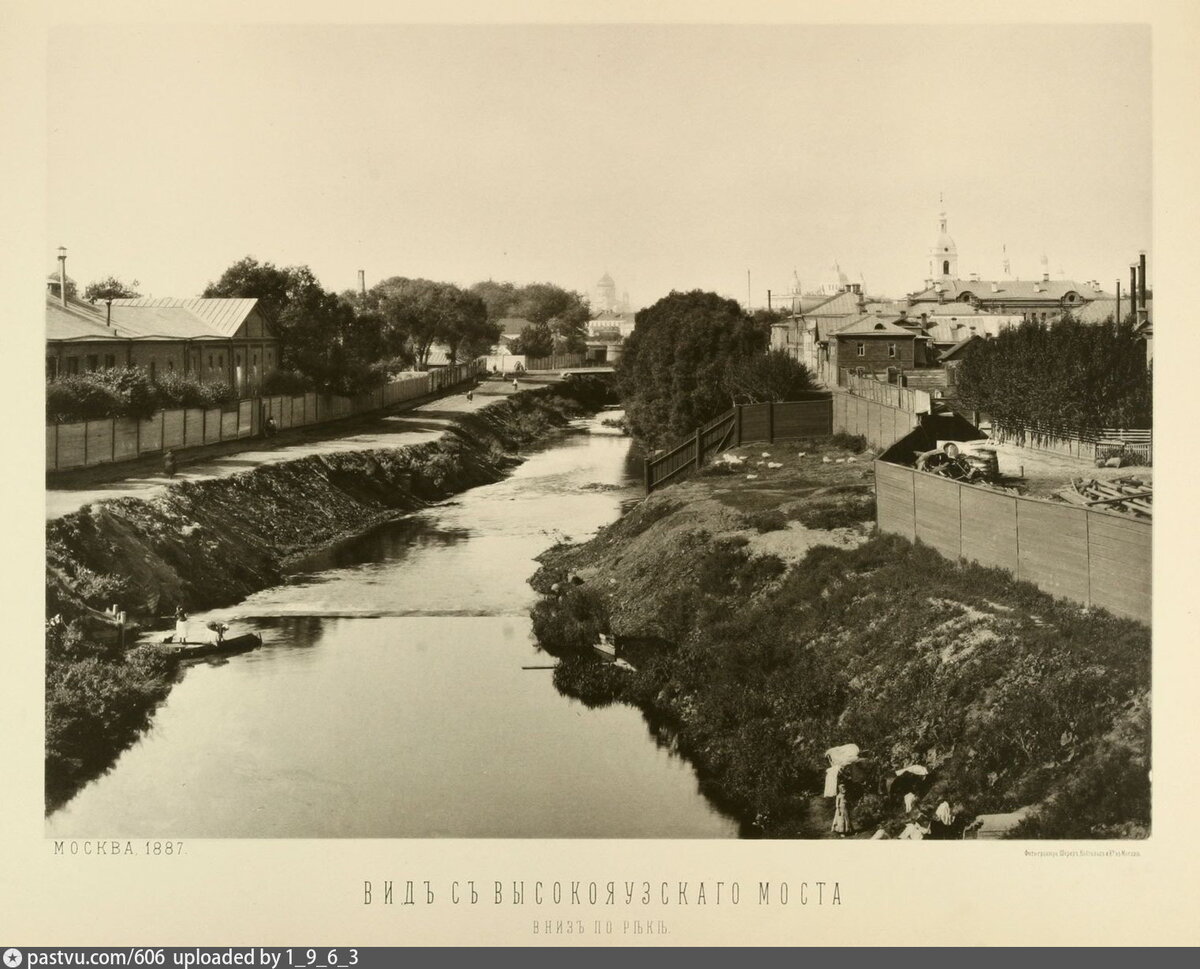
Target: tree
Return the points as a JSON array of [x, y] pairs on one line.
[[536, 340], [1069, 375], [498, 298], [467, 331], [565, 312], [321, 336], [672, 375], [110, 287], [772, 376]]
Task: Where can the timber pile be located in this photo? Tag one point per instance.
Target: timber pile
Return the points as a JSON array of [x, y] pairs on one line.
[[1130, 496]]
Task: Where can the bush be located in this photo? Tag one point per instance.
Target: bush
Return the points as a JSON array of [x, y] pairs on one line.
[[176, 389], [286, 383], [118, 392], [129, 392]]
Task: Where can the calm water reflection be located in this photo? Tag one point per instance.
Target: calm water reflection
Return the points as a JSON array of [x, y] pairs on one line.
[[389, 698]]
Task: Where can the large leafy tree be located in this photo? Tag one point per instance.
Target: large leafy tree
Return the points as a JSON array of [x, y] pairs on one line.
[[1068, 375], [672, 375], [110, 287], [536, 340], [321, 336], [417, 313], [564, 312]]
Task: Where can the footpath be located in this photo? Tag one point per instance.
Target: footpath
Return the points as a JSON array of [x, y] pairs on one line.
[[146, 479]]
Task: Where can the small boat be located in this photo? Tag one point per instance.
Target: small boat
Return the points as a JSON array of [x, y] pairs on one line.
[[226, 647]]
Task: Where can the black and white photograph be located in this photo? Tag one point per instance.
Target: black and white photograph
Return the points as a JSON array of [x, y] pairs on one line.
[[626, 431]]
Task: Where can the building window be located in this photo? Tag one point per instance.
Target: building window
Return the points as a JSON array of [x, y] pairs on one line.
[[891, 349], [51, 368], [945, 267], [861, 349], [153, 369], [72, 365], [210, 361], [93, 362], [220, 359], [110, 361], [170, 364]]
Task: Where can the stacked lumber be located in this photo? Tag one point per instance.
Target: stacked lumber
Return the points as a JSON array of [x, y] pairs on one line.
[[1129, 496]]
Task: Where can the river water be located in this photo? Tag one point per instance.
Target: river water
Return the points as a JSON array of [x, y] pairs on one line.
[[389, 699]]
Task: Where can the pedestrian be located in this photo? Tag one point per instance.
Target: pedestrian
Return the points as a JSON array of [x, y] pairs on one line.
[[169, 464], [269, 427], [515, 384], [841, 813], [909, 800], [470, 393], [180, 625]]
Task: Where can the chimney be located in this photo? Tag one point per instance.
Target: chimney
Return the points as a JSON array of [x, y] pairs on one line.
[[362, 282], [1045, 275], [1143, 313], [995, 287], [108, 313], [62, 274]]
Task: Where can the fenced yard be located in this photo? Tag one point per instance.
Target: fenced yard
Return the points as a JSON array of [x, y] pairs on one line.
[[741, 424], [89, 443]]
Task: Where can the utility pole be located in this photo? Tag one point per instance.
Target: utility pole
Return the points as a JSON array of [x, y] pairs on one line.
[[768, 301], [748, 291], [1117, 316]]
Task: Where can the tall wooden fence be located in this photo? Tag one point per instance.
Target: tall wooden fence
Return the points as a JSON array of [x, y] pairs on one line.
[[893, 395], [741, 425], [89, 443], [881, 424], [1137, 442], [1094, 557]]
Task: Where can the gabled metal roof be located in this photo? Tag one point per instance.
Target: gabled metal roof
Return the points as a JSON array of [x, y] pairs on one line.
[[224, 315], [80, 322]]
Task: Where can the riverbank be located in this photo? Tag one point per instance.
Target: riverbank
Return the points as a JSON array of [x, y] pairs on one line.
[[766, 623], [203, 544]]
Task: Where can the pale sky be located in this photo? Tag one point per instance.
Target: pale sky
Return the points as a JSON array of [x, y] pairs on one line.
[[672, 157]]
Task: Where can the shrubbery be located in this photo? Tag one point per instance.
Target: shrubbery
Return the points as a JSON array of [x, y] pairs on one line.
[[129, 392], [97, 699]]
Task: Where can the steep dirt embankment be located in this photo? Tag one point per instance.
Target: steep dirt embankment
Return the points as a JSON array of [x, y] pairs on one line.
[[767, 623], [210, 543]]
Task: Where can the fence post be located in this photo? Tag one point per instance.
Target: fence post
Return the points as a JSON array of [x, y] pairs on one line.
[[738, 418], [646, 472], [85, 437], [771, 422], [699, 448], [56, 445], [112, 425]]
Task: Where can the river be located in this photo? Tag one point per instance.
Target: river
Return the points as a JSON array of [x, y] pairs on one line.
[[389, 699]]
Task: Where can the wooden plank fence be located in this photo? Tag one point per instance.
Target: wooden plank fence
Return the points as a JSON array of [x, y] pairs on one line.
[[741, 424], [88, 443], [881, 424], [881, 392], [1094, 557], [1087, 445]]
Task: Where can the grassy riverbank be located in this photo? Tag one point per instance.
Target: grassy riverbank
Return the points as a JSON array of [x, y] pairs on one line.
[[767, 623], [211, 543]]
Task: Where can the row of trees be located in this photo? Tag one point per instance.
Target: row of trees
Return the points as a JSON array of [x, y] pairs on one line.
[[692, 356], [557, 317], [1070, 375]]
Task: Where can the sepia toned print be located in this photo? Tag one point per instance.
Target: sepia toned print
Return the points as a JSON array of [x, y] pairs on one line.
[[596, 443]]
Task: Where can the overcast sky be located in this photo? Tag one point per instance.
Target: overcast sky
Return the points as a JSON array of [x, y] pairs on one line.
[[670, 157]]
